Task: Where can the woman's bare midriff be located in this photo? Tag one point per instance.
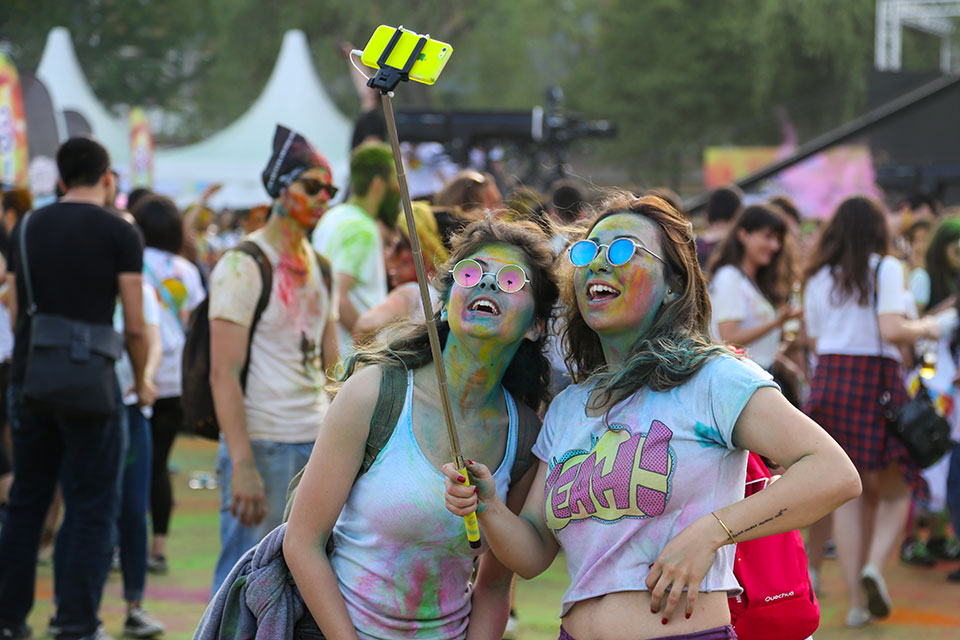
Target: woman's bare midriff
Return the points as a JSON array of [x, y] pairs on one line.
[[626, 615]]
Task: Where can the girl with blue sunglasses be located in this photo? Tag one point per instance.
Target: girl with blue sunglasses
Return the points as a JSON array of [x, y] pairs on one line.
[[643, 460]]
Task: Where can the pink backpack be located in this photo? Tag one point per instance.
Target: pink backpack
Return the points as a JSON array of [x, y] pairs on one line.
[[777, 599]]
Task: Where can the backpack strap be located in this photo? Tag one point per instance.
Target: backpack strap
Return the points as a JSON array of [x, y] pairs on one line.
[[390, 400], [253, 250], [528, 430], [393, 394], [326, 270]]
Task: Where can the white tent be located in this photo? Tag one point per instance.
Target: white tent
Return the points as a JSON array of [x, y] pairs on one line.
[[235, 156], [60, 72]]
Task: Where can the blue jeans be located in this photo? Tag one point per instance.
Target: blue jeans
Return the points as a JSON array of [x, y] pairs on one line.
[[84, 456], [953, 488], [277, 463], [134, 502], [62, 543]]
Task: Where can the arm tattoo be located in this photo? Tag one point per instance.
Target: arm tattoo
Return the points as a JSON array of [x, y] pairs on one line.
[[761, 523]]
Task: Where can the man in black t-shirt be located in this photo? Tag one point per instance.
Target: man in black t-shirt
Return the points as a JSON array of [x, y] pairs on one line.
[[80, 257]]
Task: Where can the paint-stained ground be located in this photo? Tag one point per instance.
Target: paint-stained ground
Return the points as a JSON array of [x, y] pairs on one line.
[[925, 605]]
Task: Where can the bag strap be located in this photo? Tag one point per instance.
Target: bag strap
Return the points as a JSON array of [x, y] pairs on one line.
[[253, 250], [528, 430], [393, 395], [25, 263], [876, 305], [326, 271], [887, 394]]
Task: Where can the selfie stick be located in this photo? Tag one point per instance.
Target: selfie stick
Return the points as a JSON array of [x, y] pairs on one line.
[[385, 81]]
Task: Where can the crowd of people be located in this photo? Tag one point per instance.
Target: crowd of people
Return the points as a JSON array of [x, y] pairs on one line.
[[656, 356]]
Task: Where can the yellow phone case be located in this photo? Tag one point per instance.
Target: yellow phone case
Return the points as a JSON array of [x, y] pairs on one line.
[[433, 57]]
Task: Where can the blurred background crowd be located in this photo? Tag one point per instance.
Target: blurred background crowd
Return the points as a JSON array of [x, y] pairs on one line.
[[770, 125]]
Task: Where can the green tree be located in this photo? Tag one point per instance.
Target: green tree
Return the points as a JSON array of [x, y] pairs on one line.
[[676, 75], [679, 75], [133, 52]]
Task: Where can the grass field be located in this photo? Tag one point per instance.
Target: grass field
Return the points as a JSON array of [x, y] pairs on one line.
[[926, 606]]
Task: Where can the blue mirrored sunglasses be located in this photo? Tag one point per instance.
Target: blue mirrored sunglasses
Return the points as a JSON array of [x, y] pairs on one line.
[[619, 252]]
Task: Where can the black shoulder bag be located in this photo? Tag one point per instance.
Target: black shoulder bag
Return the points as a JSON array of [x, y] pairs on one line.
[[923, 431], [70, 363]]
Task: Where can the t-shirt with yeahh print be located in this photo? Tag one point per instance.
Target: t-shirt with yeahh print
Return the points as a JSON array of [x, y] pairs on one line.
[[621, 486]]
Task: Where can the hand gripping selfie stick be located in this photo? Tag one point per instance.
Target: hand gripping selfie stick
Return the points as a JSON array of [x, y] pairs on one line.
[[385, 81]]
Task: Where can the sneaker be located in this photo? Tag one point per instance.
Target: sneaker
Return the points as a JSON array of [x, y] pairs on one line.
[[858, 617], [878, 599], [99, 634], [915, 553], [21, 632], [157, 565], [954, 576], [944, 548], [53, 629], [141, 624]]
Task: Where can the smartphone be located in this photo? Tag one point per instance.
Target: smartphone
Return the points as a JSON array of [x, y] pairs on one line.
[[433, 57]]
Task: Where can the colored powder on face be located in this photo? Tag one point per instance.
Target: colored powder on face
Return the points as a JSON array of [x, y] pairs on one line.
[[300, 211], [640, 280], [517, 309], [642, 290]]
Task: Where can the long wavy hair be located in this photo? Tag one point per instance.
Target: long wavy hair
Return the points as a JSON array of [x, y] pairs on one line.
[[677, 344], [527, 377], [943, 277], [775, 279], [856, 230]]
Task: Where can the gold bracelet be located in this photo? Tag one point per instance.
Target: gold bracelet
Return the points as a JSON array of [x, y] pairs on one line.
[[732, 539]]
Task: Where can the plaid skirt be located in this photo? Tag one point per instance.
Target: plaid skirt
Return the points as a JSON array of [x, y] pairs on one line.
[[844, 399]]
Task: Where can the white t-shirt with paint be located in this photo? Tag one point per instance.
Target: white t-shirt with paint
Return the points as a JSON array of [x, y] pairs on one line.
[[734, 297], [124, 366], [620, 488], [348, 237], [179, 290], [285, 400]]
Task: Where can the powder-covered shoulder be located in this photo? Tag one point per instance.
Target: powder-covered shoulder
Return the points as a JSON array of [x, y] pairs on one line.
[[726, 383], [572, 398], [565, 407], [729, 365], [235, 286]]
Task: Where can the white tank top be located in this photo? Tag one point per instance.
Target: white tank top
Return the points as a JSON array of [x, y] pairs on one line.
[[402, 560]]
